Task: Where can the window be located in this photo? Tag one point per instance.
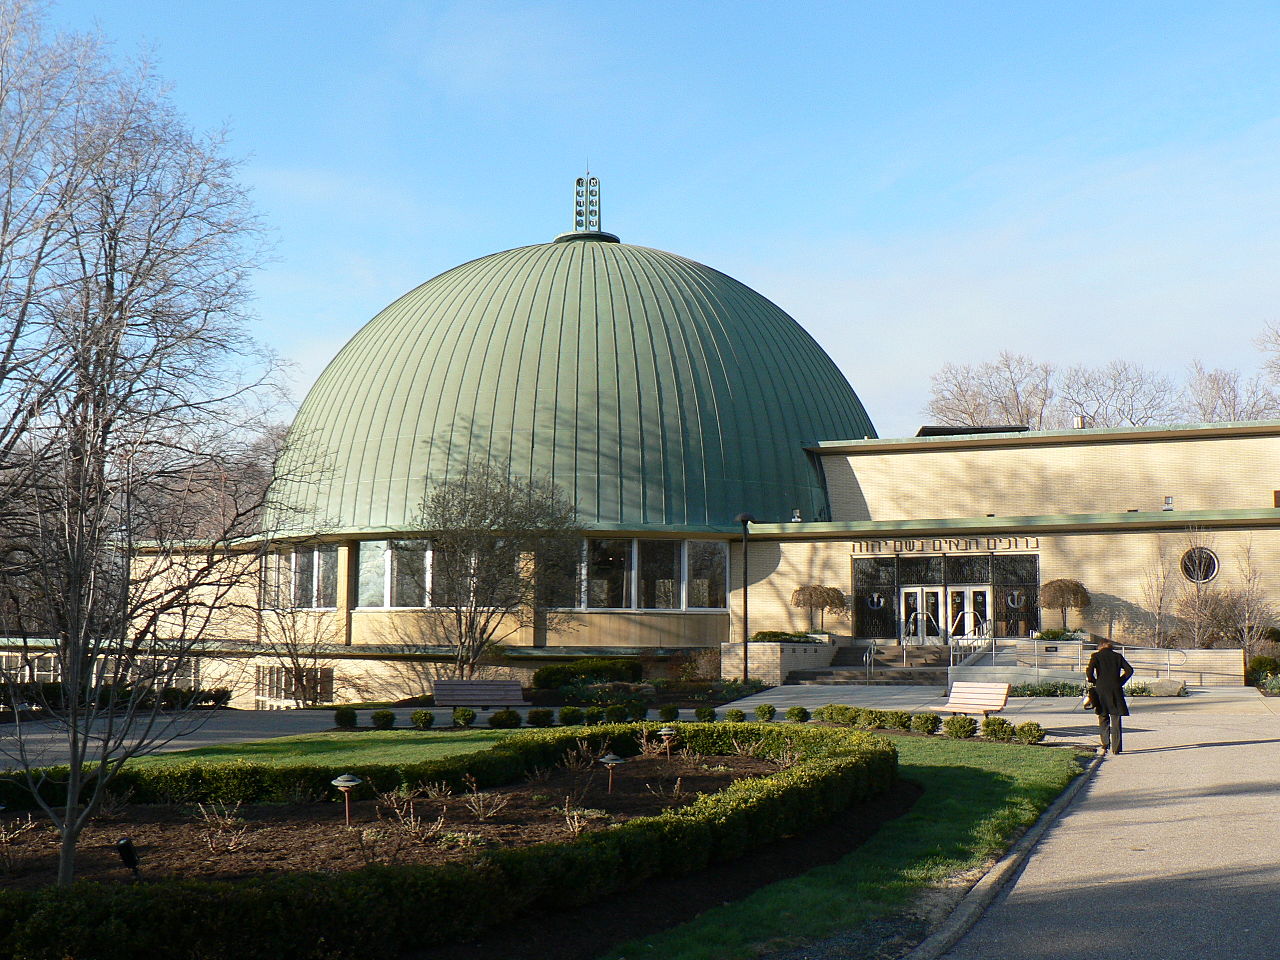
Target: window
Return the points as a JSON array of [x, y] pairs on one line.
[[409, 573], [660, 574], [708, 574], [558, 575], [371, 568], [1199, 565], [306, 684], [609, 573], [327, 575], [304, 577]]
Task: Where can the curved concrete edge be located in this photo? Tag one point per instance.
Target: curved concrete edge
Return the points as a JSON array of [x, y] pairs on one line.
[[974, 903]]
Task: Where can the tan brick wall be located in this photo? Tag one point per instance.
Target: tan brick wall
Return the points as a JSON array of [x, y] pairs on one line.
[[774, 570], [1118, 569], [1200, 474]]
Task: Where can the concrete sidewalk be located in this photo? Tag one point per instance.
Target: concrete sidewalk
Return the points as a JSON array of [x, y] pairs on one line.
[[1170, 852]]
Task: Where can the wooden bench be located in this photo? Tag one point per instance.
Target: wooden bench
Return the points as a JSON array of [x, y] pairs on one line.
[[983, 698], [479, 693]]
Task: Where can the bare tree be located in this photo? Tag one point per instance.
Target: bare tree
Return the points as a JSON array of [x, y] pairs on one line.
[[125, 462], [1116, 394], [1221, 396], [1016, 389], [499, 544], [1012, 389], [1158, 596]]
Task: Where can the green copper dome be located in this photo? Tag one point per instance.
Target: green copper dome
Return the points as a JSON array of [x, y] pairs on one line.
[[655, 391]]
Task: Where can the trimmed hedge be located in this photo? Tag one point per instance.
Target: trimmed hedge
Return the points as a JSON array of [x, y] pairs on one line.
[[591, 669], [382, 909]]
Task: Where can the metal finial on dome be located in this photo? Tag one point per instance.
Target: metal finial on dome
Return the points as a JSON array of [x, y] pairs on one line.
[[586, 204]]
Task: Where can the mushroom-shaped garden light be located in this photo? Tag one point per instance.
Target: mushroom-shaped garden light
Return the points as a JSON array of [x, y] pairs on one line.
[[611, 760], [346, 783]]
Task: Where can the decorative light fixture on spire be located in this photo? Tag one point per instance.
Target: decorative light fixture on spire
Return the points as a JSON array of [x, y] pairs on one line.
[[586, 204]]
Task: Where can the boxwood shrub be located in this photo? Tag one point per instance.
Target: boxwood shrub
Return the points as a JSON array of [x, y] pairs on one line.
[[959, 727], [383, 910], [540, 717], [505, 719], [345, 717], [422, 719], [382, 719], [570, 716], [734, 715], [926, 722]]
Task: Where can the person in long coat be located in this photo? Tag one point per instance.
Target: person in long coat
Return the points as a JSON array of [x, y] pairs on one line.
[[1108, 671]]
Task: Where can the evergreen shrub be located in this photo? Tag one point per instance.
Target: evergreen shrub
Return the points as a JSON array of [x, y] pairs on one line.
[[422, 719], [570, 716], [1029, 732], [463, 716], [997, 728], [540, 717], [926, 722], [588, 670], [959, 727], [345, 718], [766, 712], [798, 715], [505, 719], [705, 714], [897, 720], [734, 715], [668, 713], [382, 719]]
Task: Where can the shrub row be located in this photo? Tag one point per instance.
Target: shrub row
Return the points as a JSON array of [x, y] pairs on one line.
[[957, 727], [388, 909]]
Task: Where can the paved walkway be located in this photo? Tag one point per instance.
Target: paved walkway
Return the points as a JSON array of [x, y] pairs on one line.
[[1171, 852]]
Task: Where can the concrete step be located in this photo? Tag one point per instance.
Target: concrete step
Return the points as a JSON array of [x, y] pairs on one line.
[[931, 676]]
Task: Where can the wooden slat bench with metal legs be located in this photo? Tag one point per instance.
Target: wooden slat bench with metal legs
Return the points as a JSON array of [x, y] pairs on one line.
[[975, 698], [479, 693]]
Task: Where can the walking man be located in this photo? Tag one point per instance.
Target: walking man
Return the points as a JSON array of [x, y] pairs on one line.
[[1108, 671]]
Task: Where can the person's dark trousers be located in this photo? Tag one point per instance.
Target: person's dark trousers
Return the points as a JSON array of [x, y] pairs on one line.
[[1111, 733]]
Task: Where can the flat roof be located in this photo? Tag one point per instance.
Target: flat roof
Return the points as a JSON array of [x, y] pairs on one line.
[[1005, 526], [1031, 438]]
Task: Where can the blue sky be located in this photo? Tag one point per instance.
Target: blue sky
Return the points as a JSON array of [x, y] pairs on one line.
[[916, 183]]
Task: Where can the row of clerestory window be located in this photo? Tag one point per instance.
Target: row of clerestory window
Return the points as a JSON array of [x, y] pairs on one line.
[[615, 573]]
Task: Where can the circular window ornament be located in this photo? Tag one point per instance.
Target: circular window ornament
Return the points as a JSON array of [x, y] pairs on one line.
[[876, 601], [1199, 565], [1015, 599]]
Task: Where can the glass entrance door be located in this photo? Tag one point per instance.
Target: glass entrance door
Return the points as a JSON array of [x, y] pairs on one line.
[[969, 612], [920, 610]]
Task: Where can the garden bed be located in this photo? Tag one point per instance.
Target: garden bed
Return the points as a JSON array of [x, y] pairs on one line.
[[225, 842]]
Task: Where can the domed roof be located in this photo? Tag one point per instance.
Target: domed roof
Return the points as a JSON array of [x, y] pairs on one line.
[[657, 392]]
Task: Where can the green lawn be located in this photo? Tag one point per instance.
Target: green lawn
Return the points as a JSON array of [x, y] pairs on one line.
[[976, 797], [338, 748]]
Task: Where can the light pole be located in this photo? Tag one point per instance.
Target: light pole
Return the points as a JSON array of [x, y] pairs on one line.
[[744, 519]]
